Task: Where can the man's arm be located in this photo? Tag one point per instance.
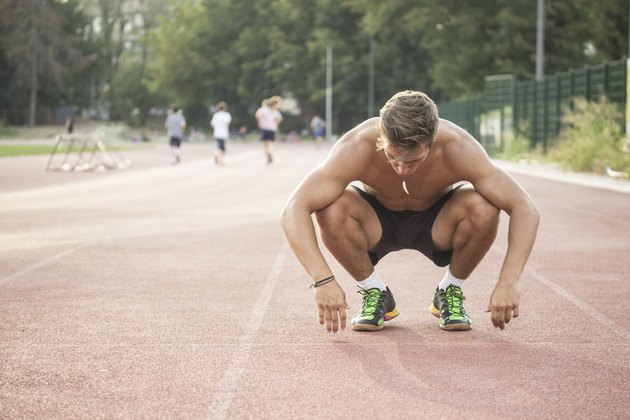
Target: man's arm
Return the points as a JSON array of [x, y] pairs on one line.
[[505, 193], [318, 189]]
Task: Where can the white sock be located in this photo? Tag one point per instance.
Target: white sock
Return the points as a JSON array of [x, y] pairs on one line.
[[449, 279], [372, 282]]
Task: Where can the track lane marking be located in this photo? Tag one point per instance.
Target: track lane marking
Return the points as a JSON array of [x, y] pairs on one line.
[[226, 387], [594, 313], [39, 265]]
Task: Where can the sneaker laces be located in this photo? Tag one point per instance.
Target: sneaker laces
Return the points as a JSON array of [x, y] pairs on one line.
[[454, 299], [370, 300]]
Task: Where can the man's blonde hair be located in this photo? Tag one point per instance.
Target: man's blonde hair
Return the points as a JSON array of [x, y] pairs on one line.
[[409, 119]]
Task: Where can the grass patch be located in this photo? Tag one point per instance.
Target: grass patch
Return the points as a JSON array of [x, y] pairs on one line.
[[8, 150], [24, 150]]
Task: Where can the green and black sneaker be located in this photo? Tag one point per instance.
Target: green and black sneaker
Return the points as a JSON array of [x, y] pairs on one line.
[[378, 306], [448, 305]]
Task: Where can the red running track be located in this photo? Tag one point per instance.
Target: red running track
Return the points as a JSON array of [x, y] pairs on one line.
[[170, 292]]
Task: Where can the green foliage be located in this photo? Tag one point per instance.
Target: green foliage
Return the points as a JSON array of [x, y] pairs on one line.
[[516, 148], [179, 63], [198, 52], [592, 138], [463, 41], [131, 99], [42, 54]]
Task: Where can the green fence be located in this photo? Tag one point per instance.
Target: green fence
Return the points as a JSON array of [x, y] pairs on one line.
[[534, 108], [465, 113]]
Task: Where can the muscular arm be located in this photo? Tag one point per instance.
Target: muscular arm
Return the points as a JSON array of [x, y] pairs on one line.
[[320, 188], [505, 193]]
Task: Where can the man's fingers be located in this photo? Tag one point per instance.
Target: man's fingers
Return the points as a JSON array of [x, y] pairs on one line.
[[327, 319], [338, 318], [507, 314], [493, 317], [500, 323], [334, 320], [498, 318], [320, 310], [501, 316], [515, 311], [342, 318]]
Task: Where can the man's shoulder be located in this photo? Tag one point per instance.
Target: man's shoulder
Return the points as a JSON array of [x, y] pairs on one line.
[[361, 138], [367, 131], [356, 150], [459, 151], [452, 138]]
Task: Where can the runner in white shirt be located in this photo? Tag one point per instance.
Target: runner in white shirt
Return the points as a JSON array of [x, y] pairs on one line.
[[221, 125]]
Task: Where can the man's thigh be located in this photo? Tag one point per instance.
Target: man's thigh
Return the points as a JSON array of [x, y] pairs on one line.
[[451, 214], [351, 204]]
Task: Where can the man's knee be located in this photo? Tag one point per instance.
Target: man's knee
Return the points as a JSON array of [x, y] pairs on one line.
[[329, 218], [339, 215], [482, 213]]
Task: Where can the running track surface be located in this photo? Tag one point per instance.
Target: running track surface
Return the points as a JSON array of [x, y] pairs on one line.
[[169, 291]]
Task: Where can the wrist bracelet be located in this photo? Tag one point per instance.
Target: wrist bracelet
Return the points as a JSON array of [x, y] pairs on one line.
[[322, 282]]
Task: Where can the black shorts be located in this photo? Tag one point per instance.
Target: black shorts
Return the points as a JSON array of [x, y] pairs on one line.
[[408, 229], [175, 141], [221, 144], [267, 135]]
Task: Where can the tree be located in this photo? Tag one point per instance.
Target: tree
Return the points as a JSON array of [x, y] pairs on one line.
[[467, 40], [129, 95], [41, 52]]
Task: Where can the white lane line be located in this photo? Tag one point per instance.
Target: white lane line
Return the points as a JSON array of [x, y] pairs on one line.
[[39, 265], [594, 313], [227, 385], [126, 235]]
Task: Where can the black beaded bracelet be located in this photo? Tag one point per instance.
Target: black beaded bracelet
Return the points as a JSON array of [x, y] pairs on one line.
[[322, 282]]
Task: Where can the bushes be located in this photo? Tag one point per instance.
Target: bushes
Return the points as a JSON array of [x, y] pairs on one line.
[[592, 138], [518, 148]]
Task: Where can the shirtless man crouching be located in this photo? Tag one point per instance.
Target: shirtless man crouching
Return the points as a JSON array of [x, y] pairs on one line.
[[426, 185]]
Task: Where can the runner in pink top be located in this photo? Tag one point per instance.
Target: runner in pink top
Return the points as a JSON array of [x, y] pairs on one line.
[[269, 118]]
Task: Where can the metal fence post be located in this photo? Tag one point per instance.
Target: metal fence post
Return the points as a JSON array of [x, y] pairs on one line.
[[558, 103]]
